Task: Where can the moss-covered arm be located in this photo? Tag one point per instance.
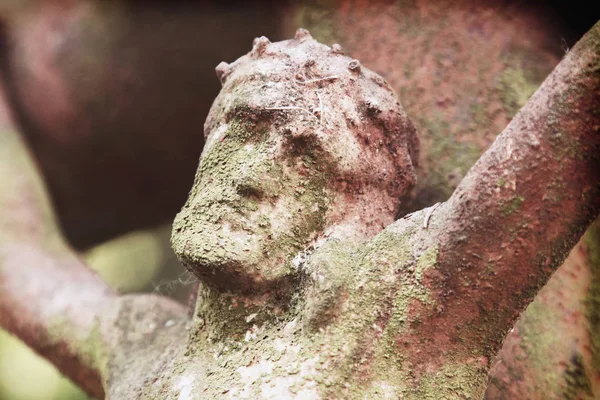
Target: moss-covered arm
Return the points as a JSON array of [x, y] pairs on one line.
[[522, 207], [48, 297], [555, 345]]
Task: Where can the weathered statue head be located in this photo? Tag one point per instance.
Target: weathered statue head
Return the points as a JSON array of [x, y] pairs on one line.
[[302, 143]]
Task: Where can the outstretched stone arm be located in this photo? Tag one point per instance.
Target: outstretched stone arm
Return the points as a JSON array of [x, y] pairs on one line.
[[523, 205], [48, 297]]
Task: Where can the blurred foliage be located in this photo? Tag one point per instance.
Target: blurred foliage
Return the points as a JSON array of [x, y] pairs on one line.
[[26, 376], [129, 262]]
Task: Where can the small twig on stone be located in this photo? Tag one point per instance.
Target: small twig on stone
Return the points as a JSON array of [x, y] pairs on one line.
[[327, 78], [321, 109], [429, 213], [291, 108]]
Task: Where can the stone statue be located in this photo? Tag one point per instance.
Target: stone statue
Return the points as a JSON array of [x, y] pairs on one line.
[[307, 156]]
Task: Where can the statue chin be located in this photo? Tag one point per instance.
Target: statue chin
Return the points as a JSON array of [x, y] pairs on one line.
[[230, 258]]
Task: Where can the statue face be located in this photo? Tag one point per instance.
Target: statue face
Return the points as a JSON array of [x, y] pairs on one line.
[[259, 197], [299, 138]]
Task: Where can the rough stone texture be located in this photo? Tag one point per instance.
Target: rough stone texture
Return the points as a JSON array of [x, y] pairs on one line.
[[536, 217], [321, 319]]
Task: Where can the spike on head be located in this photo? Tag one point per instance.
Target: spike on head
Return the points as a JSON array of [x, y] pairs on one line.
[[354, 66], [337, 49], [223, 70], [302, 34], [259, 45]]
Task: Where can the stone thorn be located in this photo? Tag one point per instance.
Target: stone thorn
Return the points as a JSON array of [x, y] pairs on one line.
[[302, 34], [222, 70], [337, 49], [354, 66], [259, 45]]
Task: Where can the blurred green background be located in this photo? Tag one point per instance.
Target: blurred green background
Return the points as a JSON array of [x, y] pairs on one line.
[[138, 261]]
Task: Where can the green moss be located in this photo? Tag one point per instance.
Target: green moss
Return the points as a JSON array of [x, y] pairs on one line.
[[515, 89], [511, 206], [327, 272], [479, 115], [237, 179], [563, 144], [342, 334], [458, 380], [592, 301], [538, 337], [427, 261], [388, 283]]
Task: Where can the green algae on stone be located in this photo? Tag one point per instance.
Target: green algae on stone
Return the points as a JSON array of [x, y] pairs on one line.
[[91, 347], [240, 172], [327, 270], [427, 260], [513, 205], [515, 89], [459, 380], [592, 301]]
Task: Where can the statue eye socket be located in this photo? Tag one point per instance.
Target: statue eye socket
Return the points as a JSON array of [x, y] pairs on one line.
[[304, 145], [249, 113], [250, 191]]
